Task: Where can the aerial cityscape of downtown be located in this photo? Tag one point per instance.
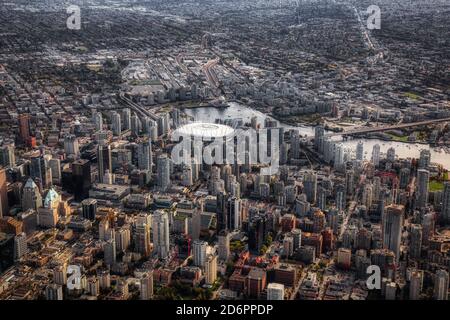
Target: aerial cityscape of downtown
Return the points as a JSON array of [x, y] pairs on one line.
[[232, 150]]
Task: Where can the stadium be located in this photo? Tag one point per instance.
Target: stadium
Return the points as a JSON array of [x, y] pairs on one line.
[[205, 131]]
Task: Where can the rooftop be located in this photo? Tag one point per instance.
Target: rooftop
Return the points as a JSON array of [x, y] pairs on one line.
[[204, 130]]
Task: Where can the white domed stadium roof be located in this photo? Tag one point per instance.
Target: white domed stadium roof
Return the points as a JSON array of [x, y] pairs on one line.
[[205, 130]]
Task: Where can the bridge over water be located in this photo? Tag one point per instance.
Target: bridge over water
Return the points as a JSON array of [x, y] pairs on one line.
[[386, 128]]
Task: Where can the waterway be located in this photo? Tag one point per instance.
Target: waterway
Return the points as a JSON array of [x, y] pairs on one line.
[[238, 111]]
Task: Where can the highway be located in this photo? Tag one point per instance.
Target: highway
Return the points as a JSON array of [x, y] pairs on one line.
[[210, 74], [364, 32], [347, 216], [137, 108], [179, 60]]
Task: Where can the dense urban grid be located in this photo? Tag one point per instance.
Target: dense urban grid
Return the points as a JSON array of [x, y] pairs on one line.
[[93, 205]]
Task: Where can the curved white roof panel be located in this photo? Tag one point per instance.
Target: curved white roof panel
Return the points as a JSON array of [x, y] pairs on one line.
[[205, 130]]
